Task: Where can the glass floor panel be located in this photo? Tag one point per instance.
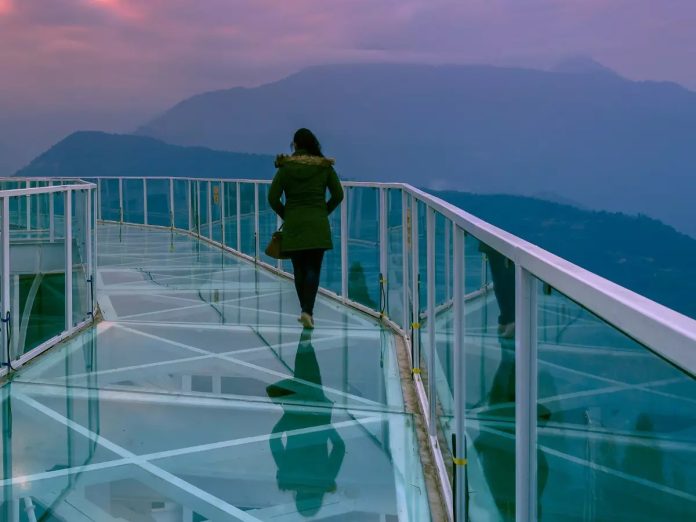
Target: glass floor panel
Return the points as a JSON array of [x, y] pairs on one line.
[[199, 397]]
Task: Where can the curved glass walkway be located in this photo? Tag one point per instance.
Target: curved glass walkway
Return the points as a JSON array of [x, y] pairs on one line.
[[199, 397]]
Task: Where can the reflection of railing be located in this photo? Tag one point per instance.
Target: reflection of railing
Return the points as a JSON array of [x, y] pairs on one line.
[[427, 254], [47, 231]]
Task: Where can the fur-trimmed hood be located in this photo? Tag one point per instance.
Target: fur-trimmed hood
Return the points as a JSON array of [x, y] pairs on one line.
[[303, 159]]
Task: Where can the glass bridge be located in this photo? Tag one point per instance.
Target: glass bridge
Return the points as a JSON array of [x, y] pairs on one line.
[[154, 369]]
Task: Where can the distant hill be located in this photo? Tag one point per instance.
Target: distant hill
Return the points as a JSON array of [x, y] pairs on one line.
[[638, 253], [581, 131], [581, 65], [90, 154]]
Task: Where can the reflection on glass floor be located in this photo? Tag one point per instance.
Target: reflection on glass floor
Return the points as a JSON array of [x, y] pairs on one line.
[[200, 398]]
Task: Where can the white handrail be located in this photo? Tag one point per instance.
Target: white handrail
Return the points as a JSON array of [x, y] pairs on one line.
[[662, 330], [45, 190]]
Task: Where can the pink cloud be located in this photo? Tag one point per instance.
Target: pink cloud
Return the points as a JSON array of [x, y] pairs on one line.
[[120, 8], [6, 7]]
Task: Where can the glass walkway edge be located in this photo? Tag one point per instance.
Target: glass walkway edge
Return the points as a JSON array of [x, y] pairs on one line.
[[610, 372]]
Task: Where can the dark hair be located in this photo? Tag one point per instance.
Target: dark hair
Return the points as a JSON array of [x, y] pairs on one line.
[[305, 140]]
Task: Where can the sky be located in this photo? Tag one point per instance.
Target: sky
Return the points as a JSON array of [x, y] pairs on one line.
[[114, 64], [152, 53]]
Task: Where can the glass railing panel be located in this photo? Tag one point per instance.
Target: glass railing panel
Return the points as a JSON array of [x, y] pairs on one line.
[[422, 256], [489, 348], [181, 204], [443, 260], [109, 200], [331, 268], [194, 207], [476, 265], [616, 432], [395, 269], [267, 223], [248, 237], [37, 285], [158, 208], [444, 332], [363, 246], [204, 197], [133, 200], [6, 184], [230, 195], [40, 215], [421, 291], [216, 210], [18, 212], [80, 259]]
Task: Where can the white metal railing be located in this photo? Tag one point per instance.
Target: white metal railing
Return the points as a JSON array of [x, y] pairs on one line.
[[47, 235], [375, 215]]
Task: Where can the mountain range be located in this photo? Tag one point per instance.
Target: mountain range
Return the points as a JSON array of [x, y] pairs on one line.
[[580, 131], [90, 154], [637, 252]]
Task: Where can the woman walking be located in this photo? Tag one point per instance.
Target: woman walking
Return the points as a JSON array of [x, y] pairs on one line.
[[304, 177]]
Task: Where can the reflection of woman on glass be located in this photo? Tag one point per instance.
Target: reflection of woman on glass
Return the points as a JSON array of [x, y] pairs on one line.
[[304, 178], [308, 463], [503, 274]]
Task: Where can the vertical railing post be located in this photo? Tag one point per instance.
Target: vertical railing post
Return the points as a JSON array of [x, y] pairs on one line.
[[189, 202], [222, 198], [383, 249], [256, 221], [448, 259], [209, 210], [526, 395], [344, 243], [432, 398], [459, 317], [120, 199], [415, 269], [5, 272], [171, 202], [88, 246], [144, 201], [28, 196], [198, 208], [68, 260], [51, 218], [279, 222], [405, 240], [98, 199], [95, 246], [239, 217]]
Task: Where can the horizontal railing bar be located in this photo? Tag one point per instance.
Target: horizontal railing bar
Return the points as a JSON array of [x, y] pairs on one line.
[[357, 184], [10, 193], [42, 178]]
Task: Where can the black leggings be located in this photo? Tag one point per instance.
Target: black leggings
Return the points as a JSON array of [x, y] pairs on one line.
[[307, 265]]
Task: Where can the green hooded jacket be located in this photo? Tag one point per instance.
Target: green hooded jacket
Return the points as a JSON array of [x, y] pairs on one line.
[[304, 180]]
